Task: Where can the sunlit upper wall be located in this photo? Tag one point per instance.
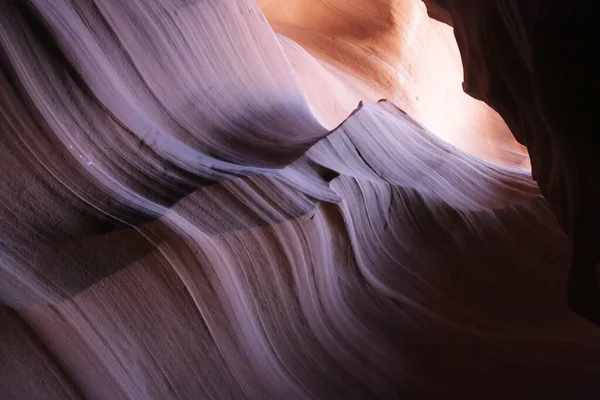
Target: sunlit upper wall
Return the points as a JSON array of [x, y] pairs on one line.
[[372, 49]]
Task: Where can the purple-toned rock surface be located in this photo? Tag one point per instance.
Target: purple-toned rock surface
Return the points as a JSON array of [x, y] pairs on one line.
[[192, 206]]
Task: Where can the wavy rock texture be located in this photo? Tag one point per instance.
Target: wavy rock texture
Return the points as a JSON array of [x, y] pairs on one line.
[[536, 63], [388, 49], [178, 220]]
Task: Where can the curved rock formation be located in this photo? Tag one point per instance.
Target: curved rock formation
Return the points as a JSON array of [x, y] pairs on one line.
[[182, 217], [388, 49], [535, 63]]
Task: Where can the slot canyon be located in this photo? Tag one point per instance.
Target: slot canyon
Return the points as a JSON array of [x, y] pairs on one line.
[[299, 199]]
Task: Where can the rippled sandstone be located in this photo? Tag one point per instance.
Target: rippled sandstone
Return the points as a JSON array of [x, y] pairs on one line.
[[193, 206]]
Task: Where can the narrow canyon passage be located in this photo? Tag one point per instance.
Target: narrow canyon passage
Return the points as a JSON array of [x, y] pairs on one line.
[[288, 199]]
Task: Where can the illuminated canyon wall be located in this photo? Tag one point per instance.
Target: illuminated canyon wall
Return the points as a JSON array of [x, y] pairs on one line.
[[208, 199]]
